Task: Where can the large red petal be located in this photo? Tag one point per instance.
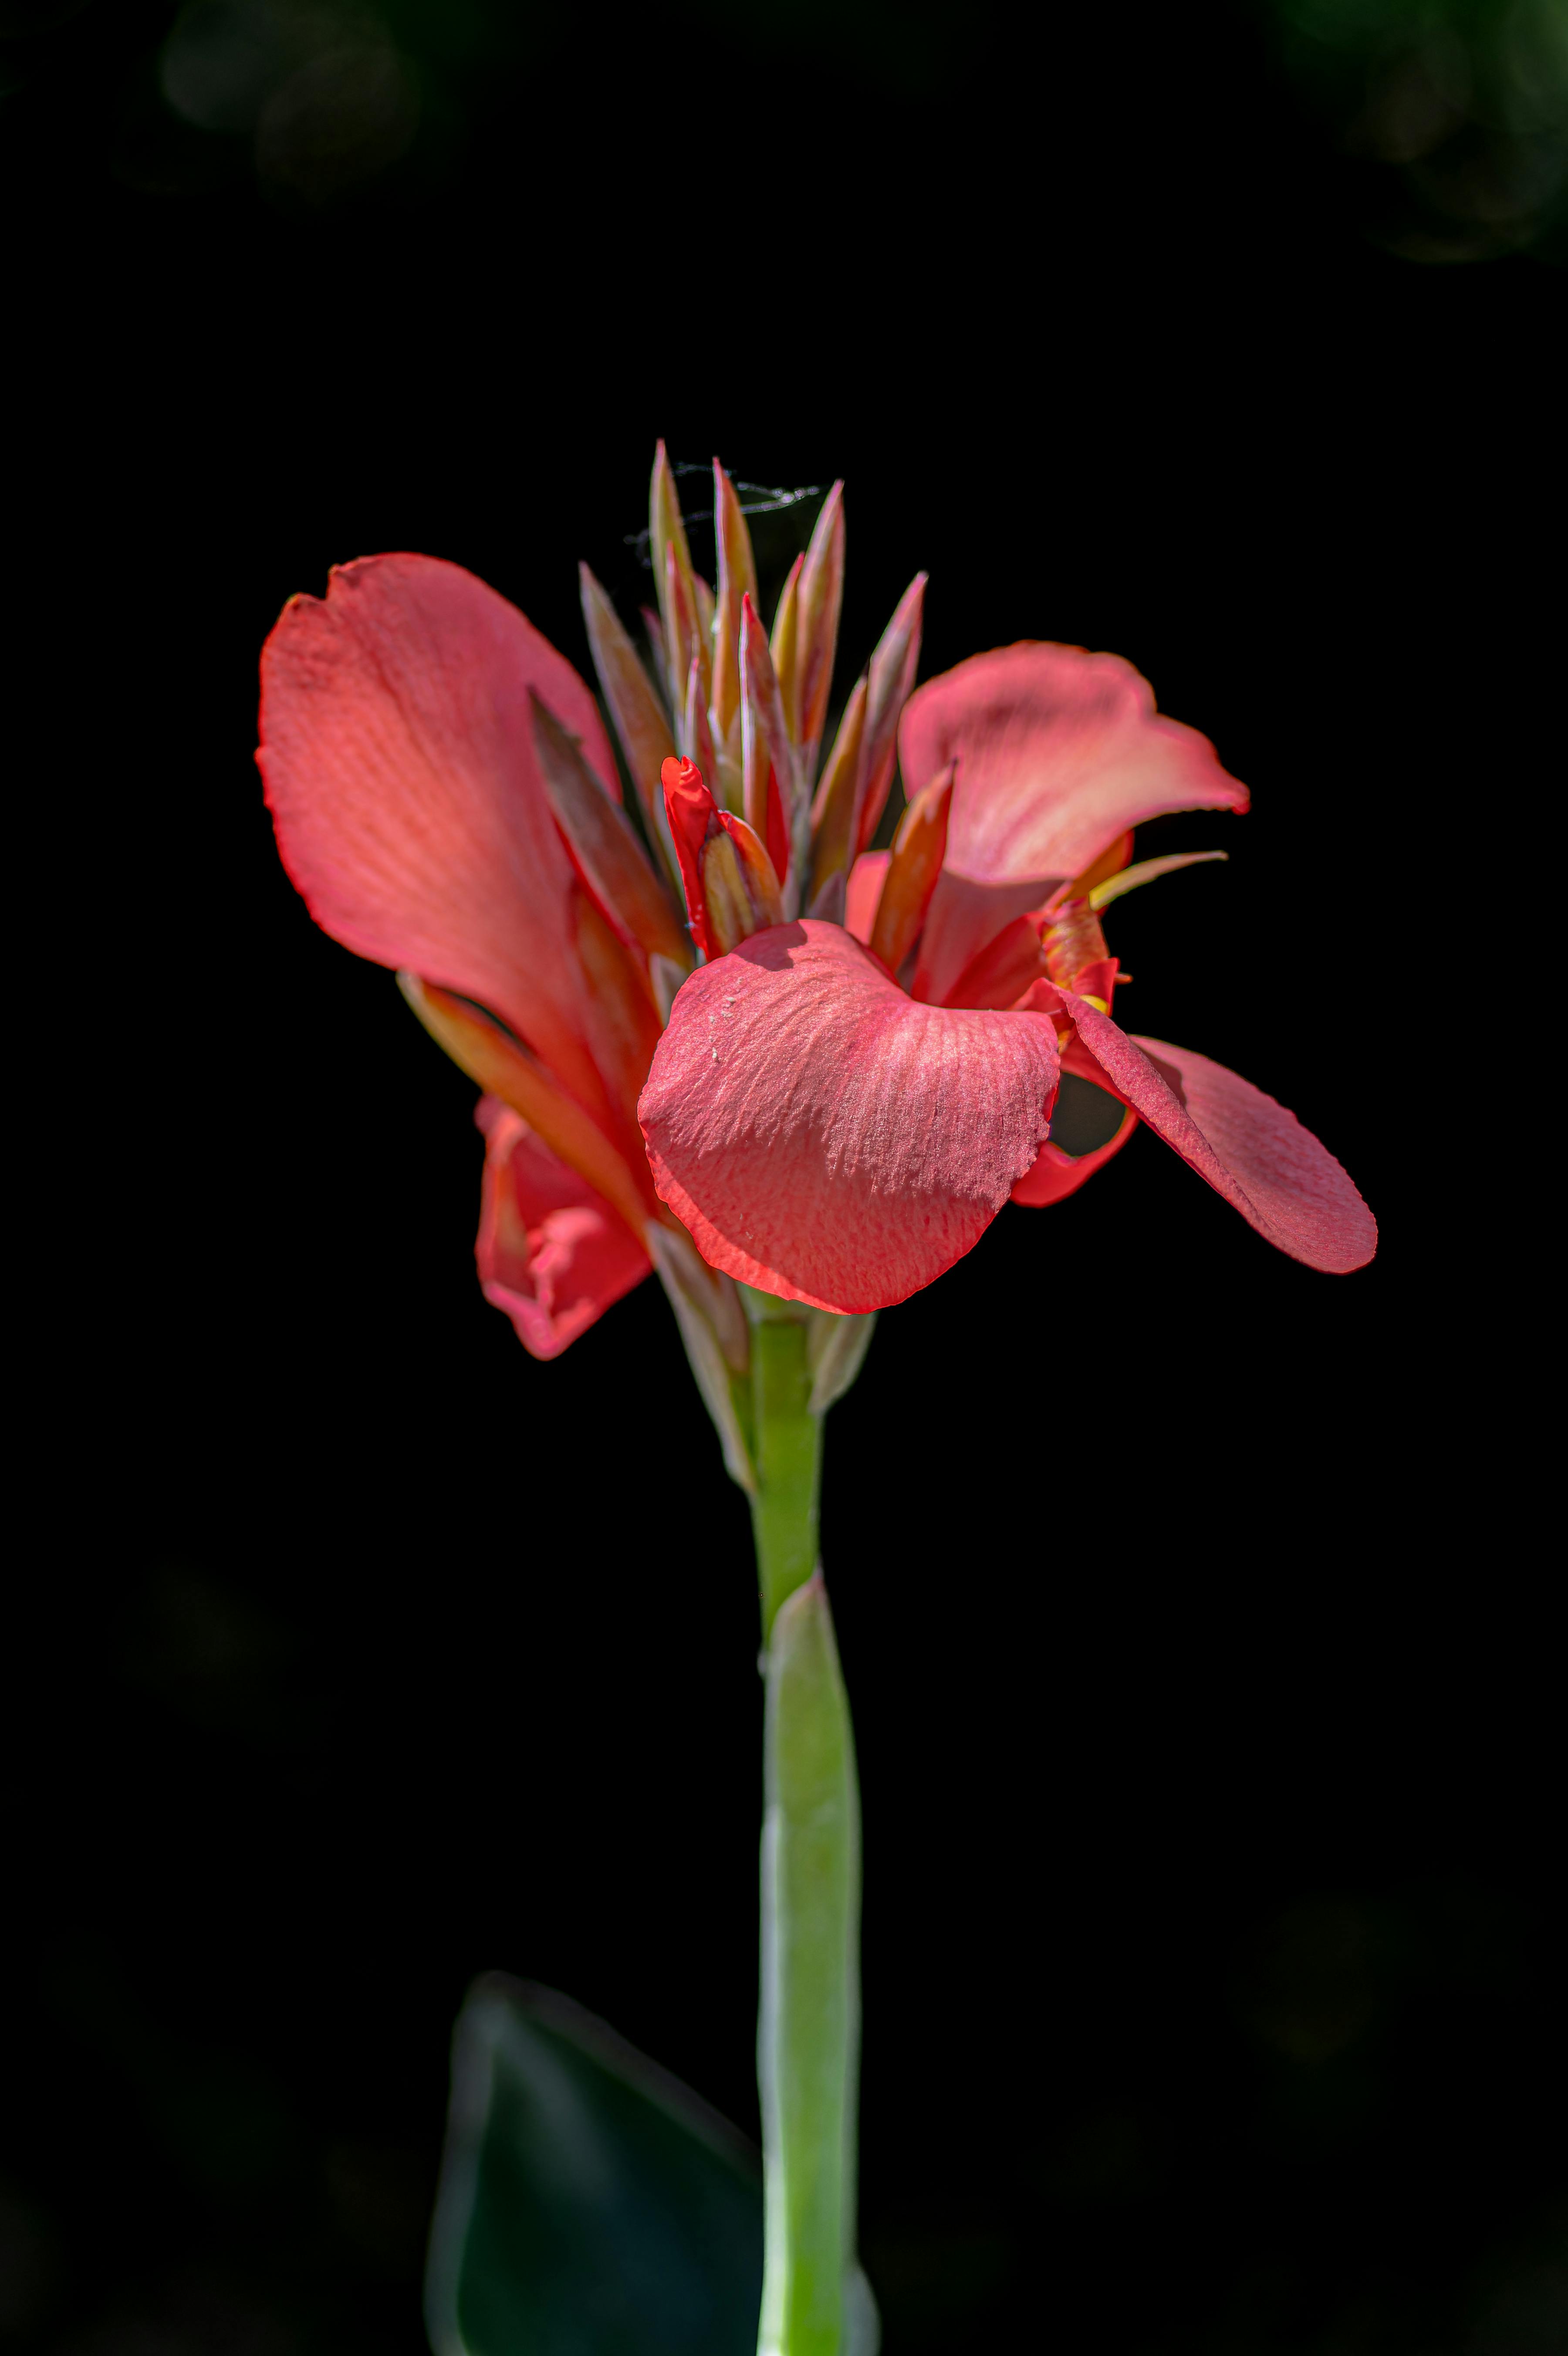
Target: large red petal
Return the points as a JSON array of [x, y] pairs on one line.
[[1250, 1149], [552, 1253], [397, 746], [1058, 753], [827, 1139]]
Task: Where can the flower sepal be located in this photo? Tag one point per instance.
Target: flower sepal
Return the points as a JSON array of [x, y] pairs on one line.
[[731, 883], [713, 1330], [835, 1345]]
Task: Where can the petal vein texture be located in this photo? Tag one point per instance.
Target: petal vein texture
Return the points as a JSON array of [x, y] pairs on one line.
[[829, 1139]]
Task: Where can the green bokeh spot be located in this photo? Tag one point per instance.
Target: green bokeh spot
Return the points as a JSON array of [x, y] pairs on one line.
[[589, 2205]]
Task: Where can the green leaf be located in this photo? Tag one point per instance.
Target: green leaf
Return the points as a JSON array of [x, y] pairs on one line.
[[589, 2205]]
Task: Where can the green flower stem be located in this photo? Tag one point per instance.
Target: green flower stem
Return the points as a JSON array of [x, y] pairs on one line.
[[814, 2300], [808, 2034], [788, 1457]]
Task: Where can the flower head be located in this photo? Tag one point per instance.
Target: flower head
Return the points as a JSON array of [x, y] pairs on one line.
[[866, 1052], [837, 1111], [449, 803]]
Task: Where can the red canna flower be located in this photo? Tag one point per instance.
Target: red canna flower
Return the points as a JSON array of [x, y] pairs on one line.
[[447, 801], [843, 1098], [837, 1111]]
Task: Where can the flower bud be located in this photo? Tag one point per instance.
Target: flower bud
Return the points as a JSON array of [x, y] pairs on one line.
[[732, 886]]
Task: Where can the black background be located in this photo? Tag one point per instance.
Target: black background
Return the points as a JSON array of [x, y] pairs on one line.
[[1198, 1637]]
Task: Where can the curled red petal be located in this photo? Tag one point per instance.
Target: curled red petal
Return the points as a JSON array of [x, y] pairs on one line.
[[827, 1139], [1250, 1149], [1057, 1174], [552, 1253], [398, 752], [1059, 752]]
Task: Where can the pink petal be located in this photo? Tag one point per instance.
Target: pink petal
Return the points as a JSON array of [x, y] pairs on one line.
[[962, 920], [865, 880], [827, 1139], [1010, 963], [397, 746], [1058, 753], [1250, 1149], [552, 1253]]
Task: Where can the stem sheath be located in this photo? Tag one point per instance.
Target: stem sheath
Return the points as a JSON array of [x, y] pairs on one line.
[[789, 1455]]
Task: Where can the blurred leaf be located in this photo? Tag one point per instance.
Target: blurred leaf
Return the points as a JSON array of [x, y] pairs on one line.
[[589, 2205], [1461, 105]]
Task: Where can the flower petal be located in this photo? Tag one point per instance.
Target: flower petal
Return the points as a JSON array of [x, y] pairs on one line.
[[825, 1137], [864, 895], [504, 1069], [552, 1253], [1250, 1149], [963, 921], [1011, 962], [397, 747], [1058, 1173], [1058, 752]]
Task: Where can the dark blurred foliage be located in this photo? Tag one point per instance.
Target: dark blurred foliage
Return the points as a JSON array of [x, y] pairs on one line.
[[1458, 110], [1195, 1609], [1453, 114]]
